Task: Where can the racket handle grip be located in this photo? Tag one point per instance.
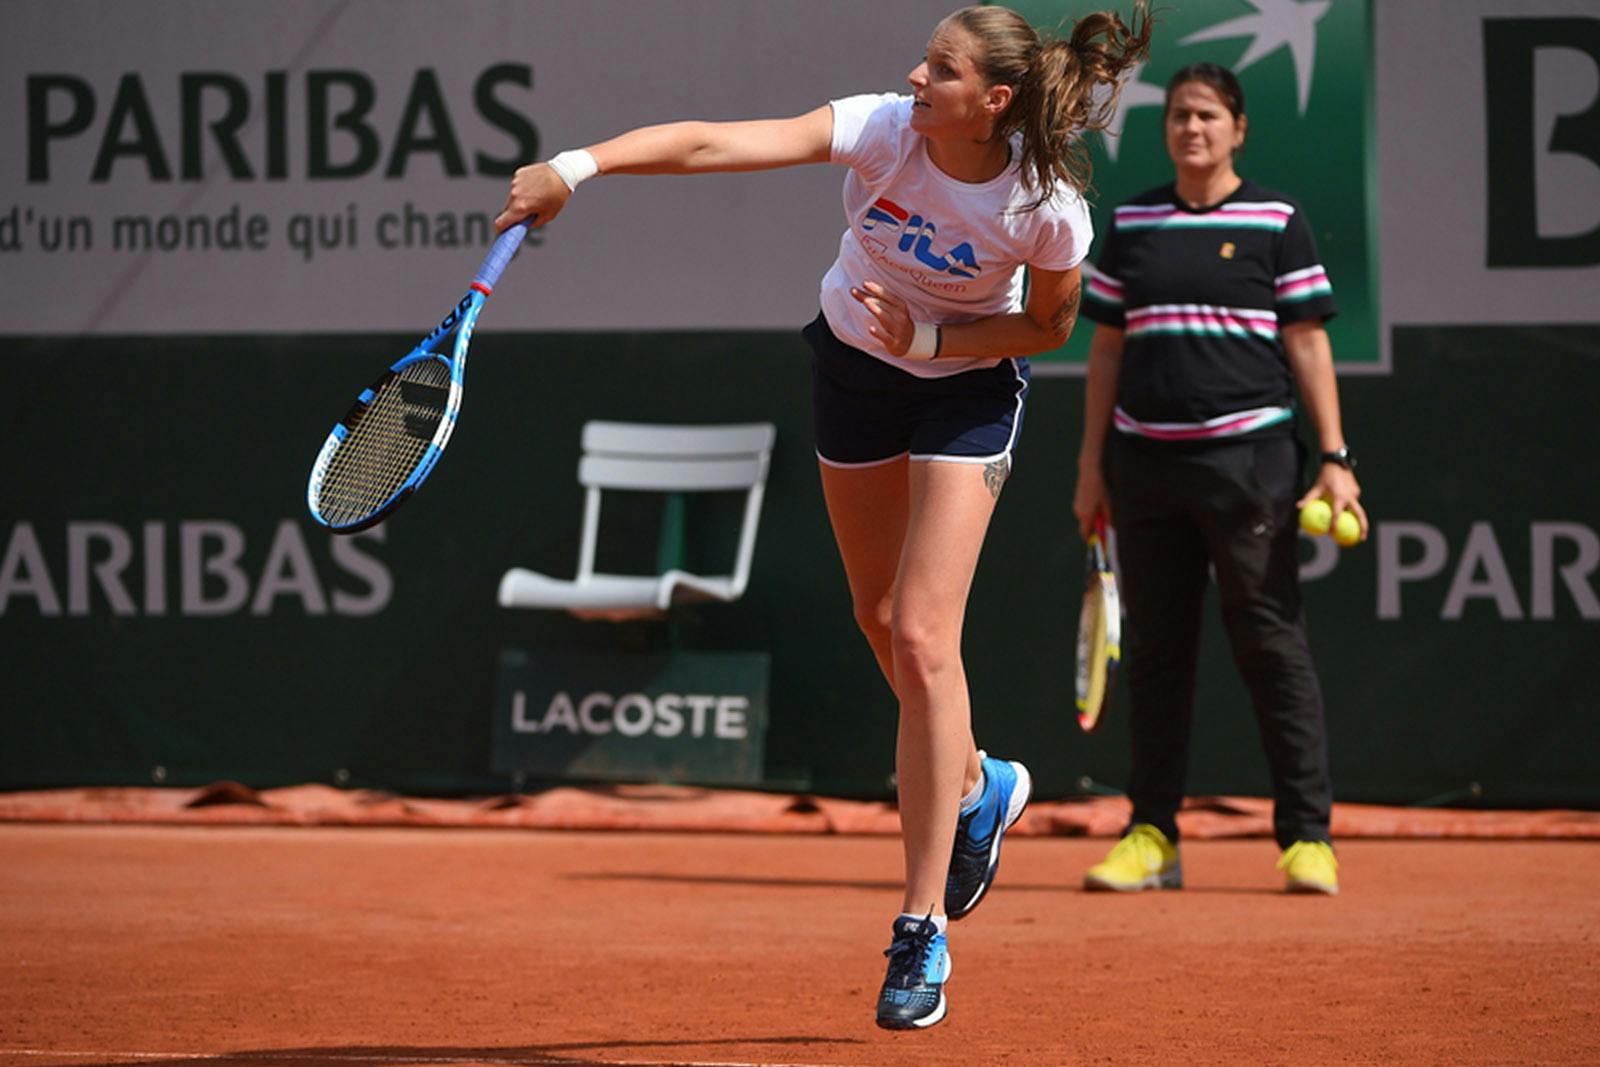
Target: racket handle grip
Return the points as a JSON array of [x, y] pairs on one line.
[[500, 255]]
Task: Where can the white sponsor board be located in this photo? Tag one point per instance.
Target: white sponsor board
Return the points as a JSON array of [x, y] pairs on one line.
[[179, 166], [1488, 121], [300, 166]]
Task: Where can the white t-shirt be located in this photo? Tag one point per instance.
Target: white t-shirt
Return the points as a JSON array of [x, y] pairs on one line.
[[954, 251]]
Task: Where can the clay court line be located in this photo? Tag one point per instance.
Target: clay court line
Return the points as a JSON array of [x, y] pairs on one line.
[[359, 1057]]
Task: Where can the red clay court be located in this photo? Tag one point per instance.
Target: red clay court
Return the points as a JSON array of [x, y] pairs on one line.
[[396, 942]]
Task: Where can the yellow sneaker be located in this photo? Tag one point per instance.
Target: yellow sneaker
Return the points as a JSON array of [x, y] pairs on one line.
[[1143, 859], [1310, 867]]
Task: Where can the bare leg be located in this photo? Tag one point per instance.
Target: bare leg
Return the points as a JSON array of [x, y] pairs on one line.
[[910, 535], [867, 507]]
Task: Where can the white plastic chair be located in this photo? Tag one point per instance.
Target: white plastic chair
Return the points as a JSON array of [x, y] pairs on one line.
[[661, 458]]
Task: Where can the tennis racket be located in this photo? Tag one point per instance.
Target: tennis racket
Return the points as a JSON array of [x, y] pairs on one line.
[[392, 437], [1099, 631]]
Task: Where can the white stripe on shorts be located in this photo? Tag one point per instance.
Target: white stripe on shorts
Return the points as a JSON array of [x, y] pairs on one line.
[[826, 462], [1011, 442]]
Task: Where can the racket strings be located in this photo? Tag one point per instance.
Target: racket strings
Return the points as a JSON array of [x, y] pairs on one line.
[[386, 441]]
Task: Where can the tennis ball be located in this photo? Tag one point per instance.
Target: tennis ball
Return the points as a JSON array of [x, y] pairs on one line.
[[1347, 531], [1316, 517]]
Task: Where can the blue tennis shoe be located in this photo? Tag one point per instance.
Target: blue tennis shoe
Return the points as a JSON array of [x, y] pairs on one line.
[[919, 963], [975, 858]]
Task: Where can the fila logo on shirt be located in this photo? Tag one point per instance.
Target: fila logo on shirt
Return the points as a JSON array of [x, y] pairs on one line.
[[916, 236]]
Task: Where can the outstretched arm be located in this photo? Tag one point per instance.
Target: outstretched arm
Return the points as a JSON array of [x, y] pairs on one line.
[[538, 193]]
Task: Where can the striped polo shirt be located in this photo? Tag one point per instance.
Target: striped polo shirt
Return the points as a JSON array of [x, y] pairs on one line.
[[1201, 295]]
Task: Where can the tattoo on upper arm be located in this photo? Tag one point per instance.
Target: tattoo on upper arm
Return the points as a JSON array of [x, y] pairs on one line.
[[995, 474], [1066, 315]]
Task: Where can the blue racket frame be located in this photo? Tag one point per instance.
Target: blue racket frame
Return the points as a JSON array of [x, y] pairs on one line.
[[459, 323]]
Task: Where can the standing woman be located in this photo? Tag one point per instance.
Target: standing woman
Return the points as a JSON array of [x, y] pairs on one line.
[[1209, 303], [955, 193]]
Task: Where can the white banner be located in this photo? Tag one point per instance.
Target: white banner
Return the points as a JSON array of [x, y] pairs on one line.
[[305, 165], [1489, 150]]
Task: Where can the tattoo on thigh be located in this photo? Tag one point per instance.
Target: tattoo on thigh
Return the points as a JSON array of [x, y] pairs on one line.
[[1066, 315], [995, 474]]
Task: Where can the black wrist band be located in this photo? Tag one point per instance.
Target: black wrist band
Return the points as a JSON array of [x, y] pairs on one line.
[[1341, 457]]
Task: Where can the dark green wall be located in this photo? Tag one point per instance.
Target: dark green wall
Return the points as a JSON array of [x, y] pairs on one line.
[[1475, 426]]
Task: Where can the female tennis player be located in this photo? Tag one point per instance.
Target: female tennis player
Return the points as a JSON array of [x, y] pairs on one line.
[[1209, 303], [956, 193]]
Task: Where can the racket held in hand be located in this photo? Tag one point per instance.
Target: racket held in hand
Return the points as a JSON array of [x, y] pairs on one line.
[[393, 435], [1099, 631]]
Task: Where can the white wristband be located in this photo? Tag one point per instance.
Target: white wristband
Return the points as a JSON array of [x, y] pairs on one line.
[[574, 167], [924, 341]]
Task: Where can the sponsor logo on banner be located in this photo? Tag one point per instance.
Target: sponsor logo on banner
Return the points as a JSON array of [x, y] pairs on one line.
[[1543, 141], [105, 568], [1489, 138], [318, 146], [1303, 65], [720, 715], [332, 112], [682, 716], [226, 133], [1424, 571]]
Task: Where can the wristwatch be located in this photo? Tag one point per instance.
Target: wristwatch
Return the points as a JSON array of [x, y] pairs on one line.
[[1341, 456]]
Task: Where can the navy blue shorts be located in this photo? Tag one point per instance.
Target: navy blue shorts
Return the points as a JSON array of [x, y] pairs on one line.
[[868, 412]]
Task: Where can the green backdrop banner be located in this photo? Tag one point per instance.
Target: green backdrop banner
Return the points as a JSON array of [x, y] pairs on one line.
[[168, 612], [1305, 69]]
